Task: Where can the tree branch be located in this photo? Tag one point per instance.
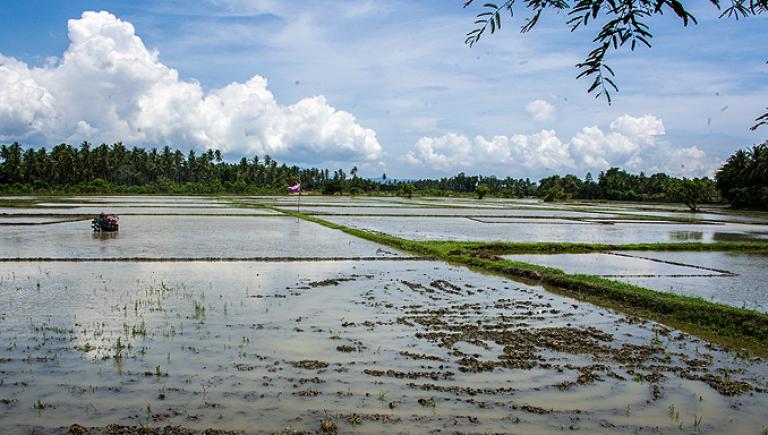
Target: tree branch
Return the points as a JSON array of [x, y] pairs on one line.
[[625, 26], [760, 121]]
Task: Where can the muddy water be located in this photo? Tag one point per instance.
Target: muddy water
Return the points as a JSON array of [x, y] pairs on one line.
[[748, 288], [148, 199], [185, 236], [4, 220], [123, 209], [134, 205], [375, 346], [439, 228], [607, 264], [123, 204], [714, 213], [735, 279], [455, 211], [320, 200], [503, 201], [760, 218], [342, 204]]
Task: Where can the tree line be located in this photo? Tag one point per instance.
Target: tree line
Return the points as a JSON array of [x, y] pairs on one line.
[[743, 180], [116, 168]]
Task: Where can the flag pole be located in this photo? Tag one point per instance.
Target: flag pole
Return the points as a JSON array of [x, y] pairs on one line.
[[296, 189]]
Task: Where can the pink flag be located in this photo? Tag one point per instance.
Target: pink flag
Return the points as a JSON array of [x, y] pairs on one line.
[[295, 188]]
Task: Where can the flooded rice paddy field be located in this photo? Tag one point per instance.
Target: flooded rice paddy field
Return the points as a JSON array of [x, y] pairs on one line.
[[747, 286], [708, 212], [417, 206], [267, 323], [470, 207], [715, 217], [146, 199], [735, 279], [611, 264], [184, 237], [373, 346], [34, 220], [133, 210], [337, 201], [131, 206], [122, 204], [460, 228], [455, 211]]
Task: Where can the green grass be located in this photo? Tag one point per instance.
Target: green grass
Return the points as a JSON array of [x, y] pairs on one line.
[[471, 212], [716, 322], [502, 248]]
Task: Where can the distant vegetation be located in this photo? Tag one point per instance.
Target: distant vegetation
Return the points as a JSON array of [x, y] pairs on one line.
[[743, 180], [117, 169]]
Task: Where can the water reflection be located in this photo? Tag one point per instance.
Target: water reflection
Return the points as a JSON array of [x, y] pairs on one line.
[[543, 230], [686, 235], [185, 236], [756, 236], [105, 235]]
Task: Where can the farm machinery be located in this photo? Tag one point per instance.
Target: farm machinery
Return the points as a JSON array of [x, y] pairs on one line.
[[106, 223]]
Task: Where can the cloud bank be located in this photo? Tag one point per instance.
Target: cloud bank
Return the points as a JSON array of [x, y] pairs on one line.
[[109, 87], [632, 143]]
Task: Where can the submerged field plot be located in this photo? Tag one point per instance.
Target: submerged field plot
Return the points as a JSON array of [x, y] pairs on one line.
[[731, 278], [548, 230], [269, 323]]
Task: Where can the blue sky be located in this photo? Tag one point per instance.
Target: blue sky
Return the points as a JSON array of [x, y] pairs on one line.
[[387, 86]]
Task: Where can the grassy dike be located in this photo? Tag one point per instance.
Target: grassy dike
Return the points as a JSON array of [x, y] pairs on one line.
[[504, 248], [731, 326]]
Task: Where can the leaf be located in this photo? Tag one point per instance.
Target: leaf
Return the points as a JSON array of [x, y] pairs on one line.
[[679, 10], [760, 121], [595, 84], [644, 41]]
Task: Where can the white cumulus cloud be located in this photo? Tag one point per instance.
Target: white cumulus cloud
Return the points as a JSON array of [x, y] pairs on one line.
[[540, 110], [632, 143], [451, 152], [109, 87], [444, 152], [642, 126]]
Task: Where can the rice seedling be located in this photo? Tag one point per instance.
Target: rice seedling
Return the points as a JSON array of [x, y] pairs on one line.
[[673, 412], [697, 422], [40, 405]]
